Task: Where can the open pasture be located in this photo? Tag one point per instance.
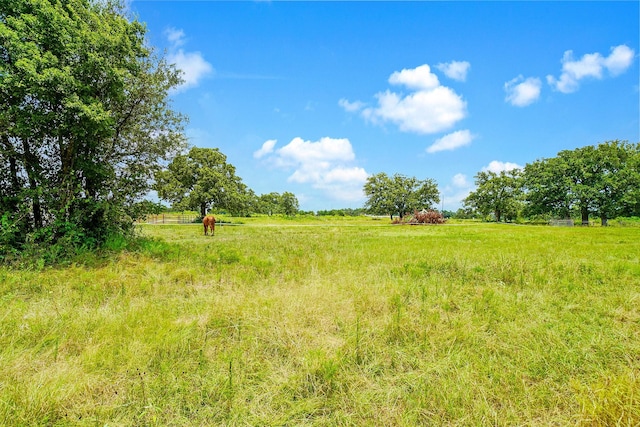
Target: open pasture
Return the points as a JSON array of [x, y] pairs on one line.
[[330, 322]]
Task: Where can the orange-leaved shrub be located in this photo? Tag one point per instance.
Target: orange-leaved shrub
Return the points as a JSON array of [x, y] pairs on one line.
[[426, 217]]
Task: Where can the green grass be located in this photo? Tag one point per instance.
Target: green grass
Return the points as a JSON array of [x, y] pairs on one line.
[[331, 321]]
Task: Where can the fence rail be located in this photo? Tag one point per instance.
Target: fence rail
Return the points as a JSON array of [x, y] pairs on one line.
[[561, 222], [170, 219]]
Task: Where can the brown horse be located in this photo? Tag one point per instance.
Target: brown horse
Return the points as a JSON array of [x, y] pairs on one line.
[[209, 222]]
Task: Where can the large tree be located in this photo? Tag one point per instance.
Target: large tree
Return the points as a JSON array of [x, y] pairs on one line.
[[399, 194], [269, 203], [289, 203], [581, 173], [276, 203], [616, 178], [631, 199], [601, 180], [84, 119], [202, 179], [547, 188], [496, 193]]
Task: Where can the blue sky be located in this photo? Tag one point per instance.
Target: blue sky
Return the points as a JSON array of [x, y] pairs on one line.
[[312, 97]]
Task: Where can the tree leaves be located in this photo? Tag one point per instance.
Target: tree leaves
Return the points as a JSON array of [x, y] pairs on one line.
[[601, 180], [399, 194], [84, 116], [201, 179], [497, 193]]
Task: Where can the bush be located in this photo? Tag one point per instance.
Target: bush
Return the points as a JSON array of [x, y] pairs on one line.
[[426, 217]]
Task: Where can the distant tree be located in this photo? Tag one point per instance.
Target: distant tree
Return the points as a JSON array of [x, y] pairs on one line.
[[499, 194], [547, 188], [615, 178], [353, 212], [200, 180], [378, 192], [251, 203], [601, 179], [289, 203], [331, 212], [269, 203], [147, 207], [244, 205], [276, 203], [448, 214], [341, 212], [84, 120], [399, 194], [631, 199], [465, 213], [582, 175]]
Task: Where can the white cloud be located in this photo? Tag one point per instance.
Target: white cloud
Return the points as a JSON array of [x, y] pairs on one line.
[[454, 199], [522, 92], [451, 141], [192, 64], [456, 70], [424, 112], [175, 36], [619, 60], [459, 180], [420, 78], [497, 166], [344, 174], [429, 108], [352, 193], [456, 191], [326, 165], [591, 65], [327, 149], [351, 107], [266, 148]]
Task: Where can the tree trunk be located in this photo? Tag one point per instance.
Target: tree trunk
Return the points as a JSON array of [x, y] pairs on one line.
[[31, 165], [13, 166], [604, 220], [203, 210], [498, 215], [585, 216], [11, 202], [66, 187]]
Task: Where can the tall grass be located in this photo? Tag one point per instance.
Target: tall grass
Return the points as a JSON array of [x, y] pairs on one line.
[[355, 322]]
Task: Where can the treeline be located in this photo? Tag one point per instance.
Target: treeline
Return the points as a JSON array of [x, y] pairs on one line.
[[201, 180], [342, 212], [600, 181]]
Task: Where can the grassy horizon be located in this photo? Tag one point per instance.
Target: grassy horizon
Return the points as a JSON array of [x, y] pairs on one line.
[[350, 322]]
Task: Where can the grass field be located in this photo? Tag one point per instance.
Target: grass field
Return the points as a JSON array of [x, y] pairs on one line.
[[332, 321]]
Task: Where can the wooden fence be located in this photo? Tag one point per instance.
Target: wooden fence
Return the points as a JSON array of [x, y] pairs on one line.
[[561, 222], [170, 219]]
